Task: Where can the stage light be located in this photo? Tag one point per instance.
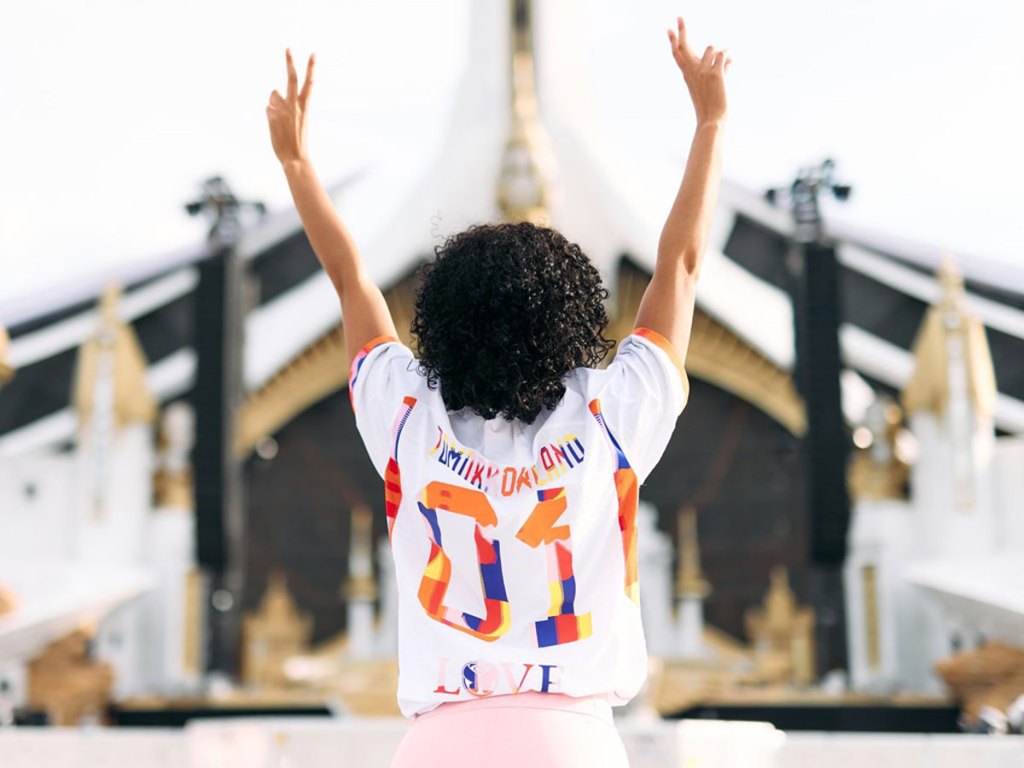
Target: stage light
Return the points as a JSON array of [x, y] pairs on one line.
[[224, 209], [802, 196]]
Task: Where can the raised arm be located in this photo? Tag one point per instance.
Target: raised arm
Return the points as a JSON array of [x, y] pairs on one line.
[[364, 312], [667, 304]]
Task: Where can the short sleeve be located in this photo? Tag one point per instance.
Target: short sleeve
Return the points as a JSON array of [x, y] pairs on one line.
[[640, 396], [382, 377]]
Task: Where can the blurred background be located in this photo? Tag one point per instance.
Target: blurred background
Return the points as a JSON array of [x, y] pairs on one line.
[[189, 526]]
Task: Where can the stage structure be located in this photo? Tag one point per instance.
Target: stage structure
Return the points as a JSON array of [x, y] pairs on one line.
[[521, 142], [219, 311], [949, 525], [813, 271]]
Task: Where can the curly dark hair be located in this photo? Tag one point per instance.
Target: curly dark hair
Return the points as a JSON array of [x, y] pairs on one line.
[[503, 313]]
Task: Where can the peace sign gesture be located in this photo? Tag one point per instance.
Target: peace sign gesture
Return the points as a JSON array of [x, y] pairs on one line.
[[705, 76], [287, 114]]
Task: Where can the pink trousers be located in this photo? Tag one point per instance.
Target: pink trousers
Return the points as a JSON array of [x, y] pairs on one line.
[[525, 730]]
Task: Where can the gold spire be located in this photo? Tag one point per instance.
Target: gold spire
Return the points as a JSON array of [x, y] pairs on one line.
[[109, 302], [523, 185], [173, 481], [6, 369], [273, 634], [690, 581], [361, 584], [278, 603], [950, 339], [113, 351], [780, 602], [951, 283], [783, 632]]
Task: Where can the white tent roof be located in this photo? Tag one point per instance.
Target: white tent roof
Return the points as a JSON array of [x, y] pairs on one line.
[[929, 166], [57, 596], [449, 182], [981, 593]]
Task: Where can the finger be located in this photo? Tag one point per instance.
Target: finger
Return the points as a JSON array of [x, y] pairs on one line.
[[307, 84], [718, 60], [276, 99], [709, 55], [683, 45], [676, 53], [727, 63], [684, 48], [293, 78]]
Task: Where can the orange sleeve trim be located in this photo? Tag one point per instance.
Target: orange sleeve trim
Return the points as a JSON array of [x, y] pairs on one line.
[[360, 358], [665, 345]]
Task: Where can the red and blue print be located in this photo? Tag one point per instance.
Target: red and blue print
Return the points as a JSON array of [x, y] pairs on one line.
[[436, 578], [628, 492], [562, 624], [392, 473]]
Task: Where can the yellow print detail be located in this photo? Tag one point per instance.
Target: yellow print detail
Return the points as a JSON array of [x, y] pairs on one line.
[[553, 461]]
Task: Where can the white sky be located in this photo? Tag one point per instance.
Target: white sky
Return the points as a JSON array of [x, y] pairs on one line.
[[115, 110]]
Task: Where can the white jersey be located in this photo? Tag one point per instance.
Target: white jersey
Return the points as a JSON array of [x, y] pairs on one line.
[[515, 544]]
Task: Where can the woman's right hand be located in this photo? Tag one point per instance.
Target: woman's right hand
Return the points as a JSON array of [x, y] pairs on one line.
[[705, 76], [287, 114]]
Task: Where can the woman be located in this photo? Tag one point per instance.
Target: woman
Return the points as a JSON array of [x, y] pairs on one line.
[[511, 464]]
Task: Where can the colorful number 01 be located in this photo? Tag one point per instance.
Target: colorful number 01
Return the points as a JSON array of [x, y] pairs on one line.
[[562, 624]]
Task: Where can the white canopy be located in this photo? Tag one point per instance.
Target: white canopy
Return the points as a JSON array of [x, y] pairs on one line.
[[612, 197]]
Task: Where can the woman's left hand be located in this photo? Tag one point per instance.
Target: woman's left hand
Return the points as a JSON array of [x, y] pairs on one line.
[[705, 76], [287, 114]]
